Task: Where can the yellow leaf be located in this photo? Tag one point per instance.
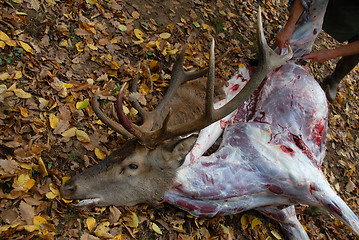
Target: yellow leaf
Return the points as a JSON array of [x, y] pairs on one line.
[[3, 88], [11, 43], [53, 121], [4, 37], [70, 132], [92, 46], [165, 35], [54, 189], [102, 229], [65, 179], [18, 75], [24, 112], [51, 2], [90, 223], [173, 51], [138, 34], [20, 181], [51, 195], [206, 27], [91, 1], [79, 46], [2, 44], [30, 183], [38, 220], [241, 65], [151, 44], [26, 47], [67, 85], [63, 43], [134, 220], [82, 136], [156, 228], [66, 201], [244, 222], [30, 228], [82, 104], [21, 93], [125, 109], [4, 76], [232, 14], [101, 155], [256, 222]]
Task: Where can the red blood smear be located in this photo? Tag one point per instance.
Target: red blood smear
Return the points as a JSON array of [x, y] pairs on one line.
[[274, 189]]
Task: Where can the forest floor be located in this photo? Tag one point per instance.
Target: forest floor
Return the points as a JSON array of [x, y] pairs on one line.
[[55, 54]]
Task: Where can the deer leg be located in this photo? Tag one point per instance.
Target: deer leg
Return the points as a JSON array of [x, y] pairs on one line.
[[288, 220]]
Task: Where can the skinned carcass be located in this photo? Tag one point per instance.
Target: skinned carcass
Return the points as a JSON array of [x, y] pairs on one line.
[[269, 159]]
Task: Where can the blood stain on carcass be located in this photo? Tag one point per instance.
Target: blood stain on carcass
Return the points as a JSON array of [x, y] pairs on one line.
[[287, 149], [274, 189]]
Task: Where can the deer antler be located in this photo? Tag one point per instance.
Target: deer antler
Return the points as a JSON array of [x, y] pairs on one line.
[[108, 121], [268, 60]]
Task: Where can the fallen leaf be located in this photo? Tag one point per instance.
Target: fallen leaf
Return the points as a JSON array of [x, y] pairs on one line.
[[101, 155], [156, 228], [24, 112], [53, 121], [70, 132], [165, 35], [90, 223], [42, 168], [38, 220], [102, 230], [82, 104], [82, 136], [21, 93], [139, 34], [26, 47]]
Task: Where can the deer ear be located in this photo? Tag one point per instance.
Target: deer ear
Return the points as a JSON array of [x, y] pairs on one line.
[[179, 147]]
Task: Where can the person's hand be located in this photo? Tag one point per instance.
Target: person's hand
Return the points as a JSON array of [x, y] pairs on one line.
[[283, 38], [321, 55]]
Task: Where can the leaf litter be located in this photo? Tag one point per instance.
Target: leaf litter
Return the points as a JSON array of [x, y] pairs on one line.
[[55, 55]]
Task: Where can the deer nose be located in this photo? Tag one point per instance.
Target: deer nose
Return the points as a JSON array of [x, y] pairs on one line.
[[68, 189]]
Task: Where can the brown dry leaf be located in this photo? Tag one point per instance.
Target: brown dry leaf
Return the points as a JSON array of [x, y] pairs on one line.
[[27, 212], [9, 165], [115, 215]]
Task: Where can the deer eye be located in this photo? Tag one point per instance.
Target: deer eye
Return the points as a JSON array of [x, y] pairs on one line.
[[132, 166]]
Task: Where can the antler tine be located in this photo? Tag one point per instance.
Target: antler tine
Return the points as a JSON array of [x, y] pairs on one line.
[[134, 86], [108, 121], [268, 60]]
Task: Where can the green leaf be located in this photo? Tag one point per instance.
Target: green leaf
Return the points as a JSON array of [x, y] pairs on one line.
[[82, 104]]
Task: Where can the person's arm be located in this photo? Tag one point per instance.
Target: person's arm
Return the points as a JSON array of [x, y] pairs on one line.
[[328, 54], [284, 36]]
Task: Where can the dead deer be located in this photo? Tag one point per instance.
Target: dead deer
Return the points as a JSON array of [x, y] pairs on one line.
[[269, 159], [144, 168]]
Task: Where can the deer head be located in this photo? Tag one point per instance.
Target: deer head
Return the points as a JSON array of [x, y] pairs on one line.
[[144, 168]]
